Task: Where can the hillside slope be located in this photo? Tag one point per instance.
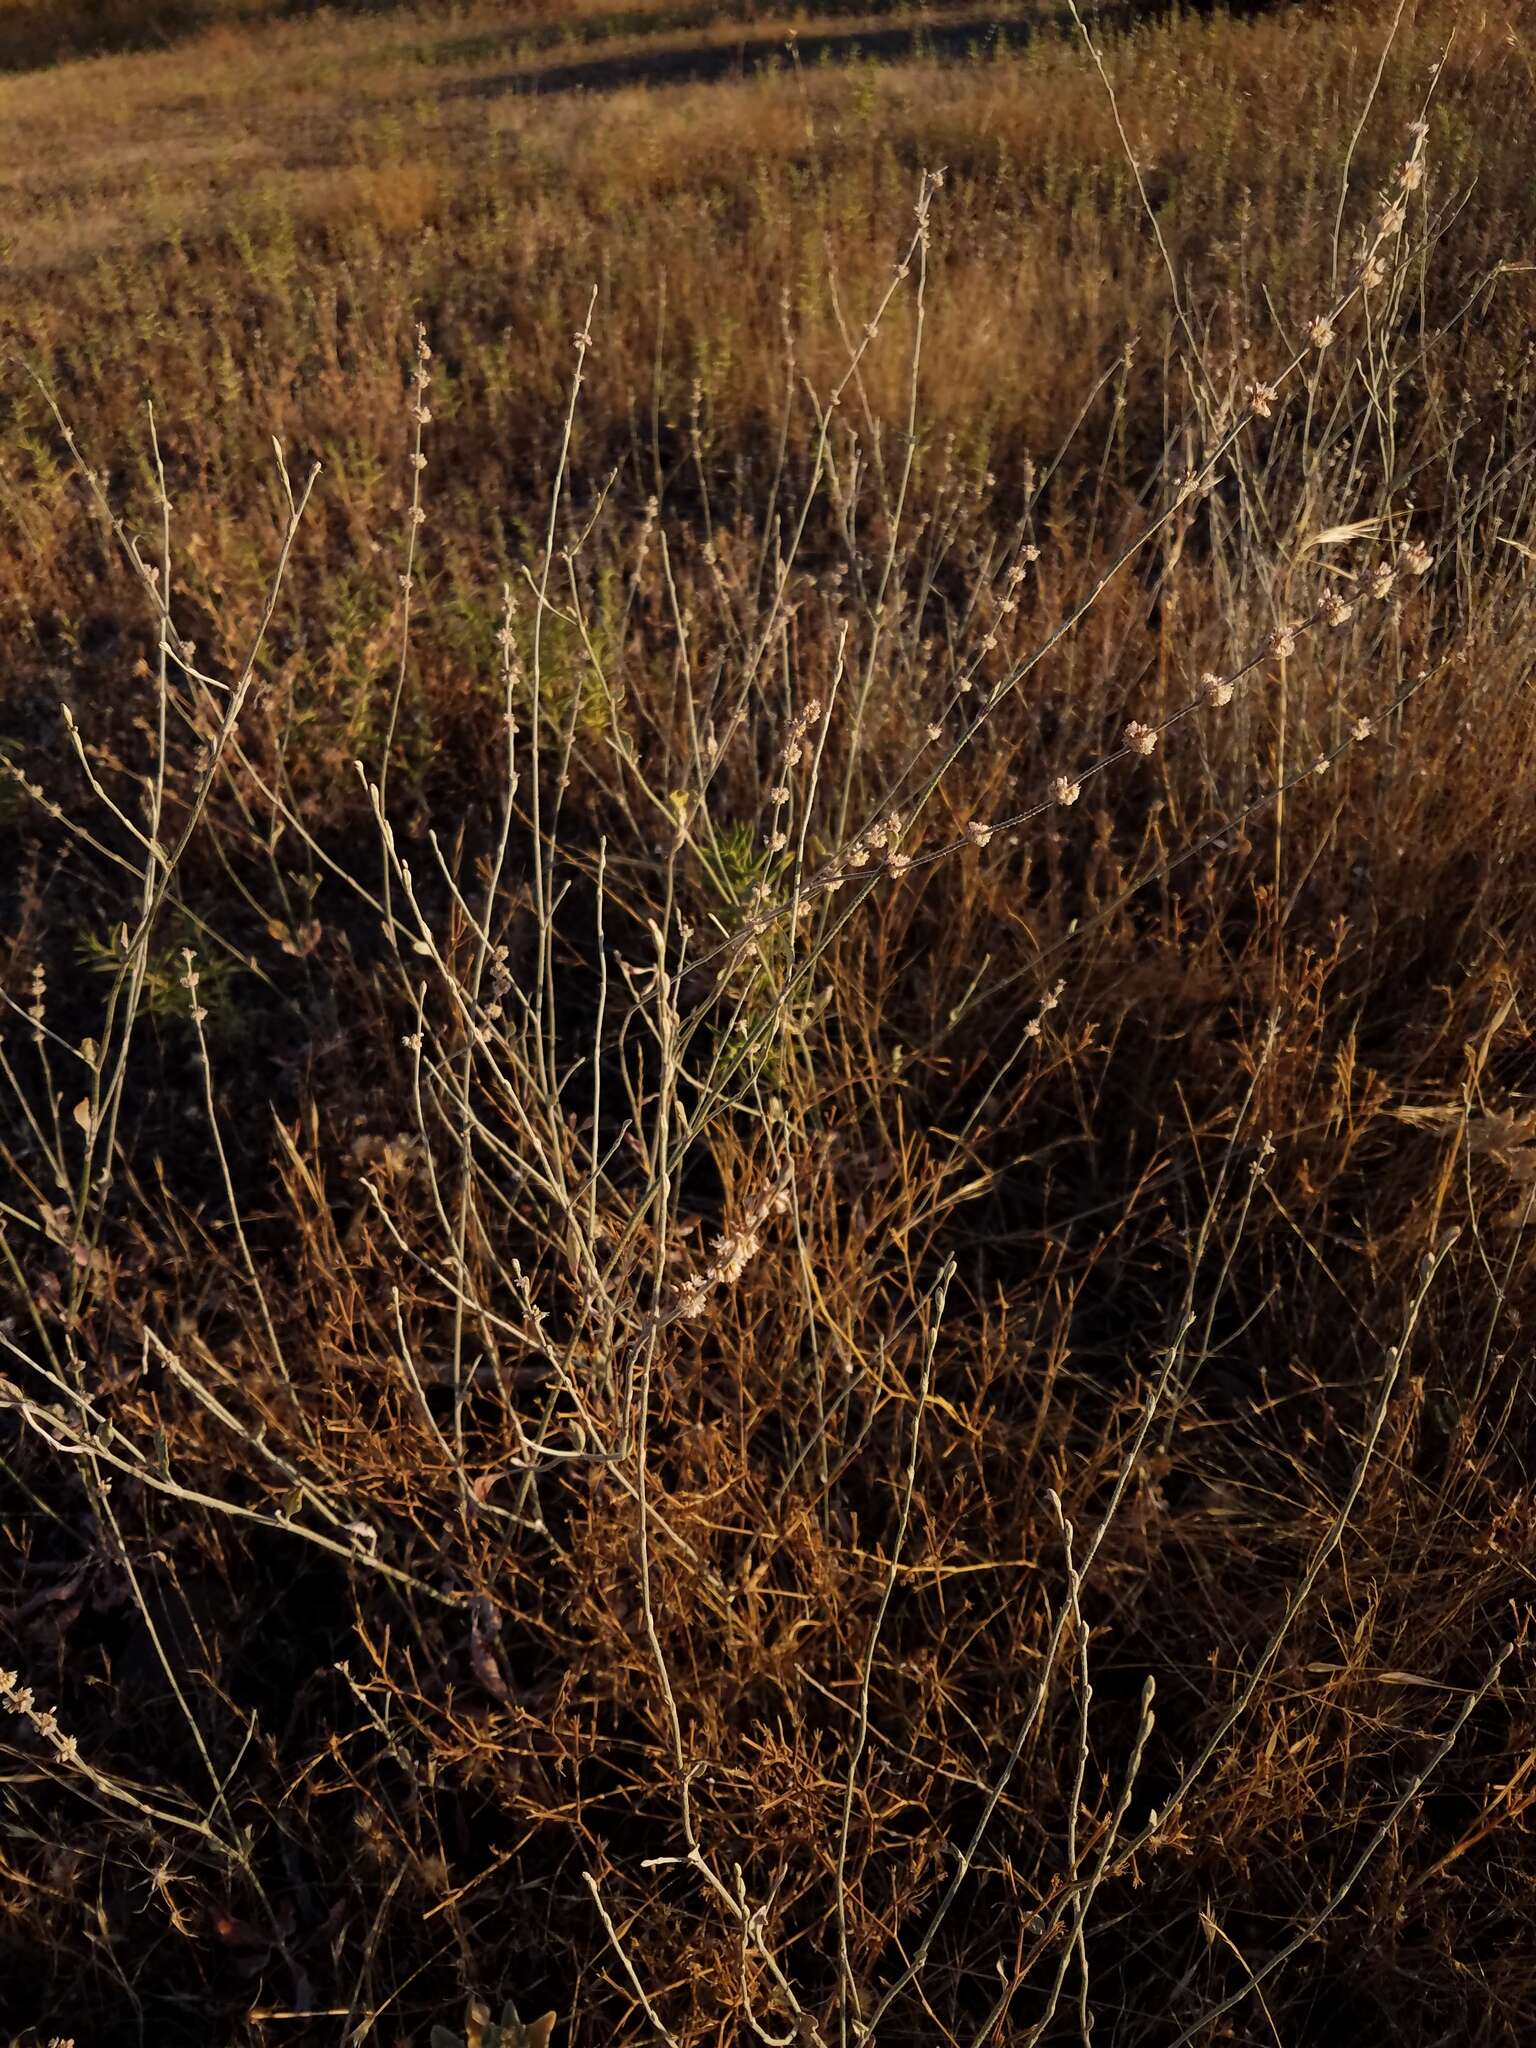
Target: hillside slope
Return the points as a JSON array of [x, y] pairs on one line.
[[767, 1125]]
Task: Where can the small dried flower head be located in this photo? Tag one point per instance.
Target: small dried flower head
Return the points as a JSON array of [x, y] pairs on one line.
[[858, 854], [1261, 399], [1065, 790], [1321, 765], [935, 732], [1320, 331], [1047, 1004], [1411, 176], [1372, 272], [1216, 690], [1392, 218], [732, 1255], [1141, 739], [979, 833], [1379, 582], [898, 863], [1282, 641], [1333, 610], [1362, 729], [1415, 559]]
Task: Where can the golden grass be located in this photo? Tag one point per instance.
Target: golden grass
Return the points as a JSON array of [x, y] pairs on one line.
[[36, 33], [899, 1102]]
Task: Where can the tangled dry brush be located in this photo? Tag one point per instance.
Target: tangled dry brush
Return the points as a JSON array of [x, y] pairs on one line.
[[784, 1300]]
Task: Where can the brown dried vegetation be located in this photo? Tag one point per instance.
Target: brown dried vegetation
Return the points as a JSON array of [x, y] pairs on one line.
[[809, 1326]]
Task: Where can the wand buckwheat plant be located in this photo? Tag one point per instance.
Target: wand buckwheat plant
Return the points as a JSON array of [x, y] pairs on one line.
[[882, 1130]]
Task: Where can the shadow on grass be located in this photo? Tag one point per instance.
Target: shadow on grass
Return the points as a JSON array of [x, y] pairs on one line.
[[39, 33], [975, 37]]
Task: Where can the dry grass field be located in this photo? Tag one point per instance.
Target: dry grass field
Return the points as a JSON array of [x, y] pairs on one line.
[[767, 1118]]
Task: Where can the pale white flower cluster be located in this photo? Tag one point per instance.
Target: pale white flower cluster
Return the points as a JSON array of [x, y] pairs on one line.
[[21, 1700], [732, 1252]]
